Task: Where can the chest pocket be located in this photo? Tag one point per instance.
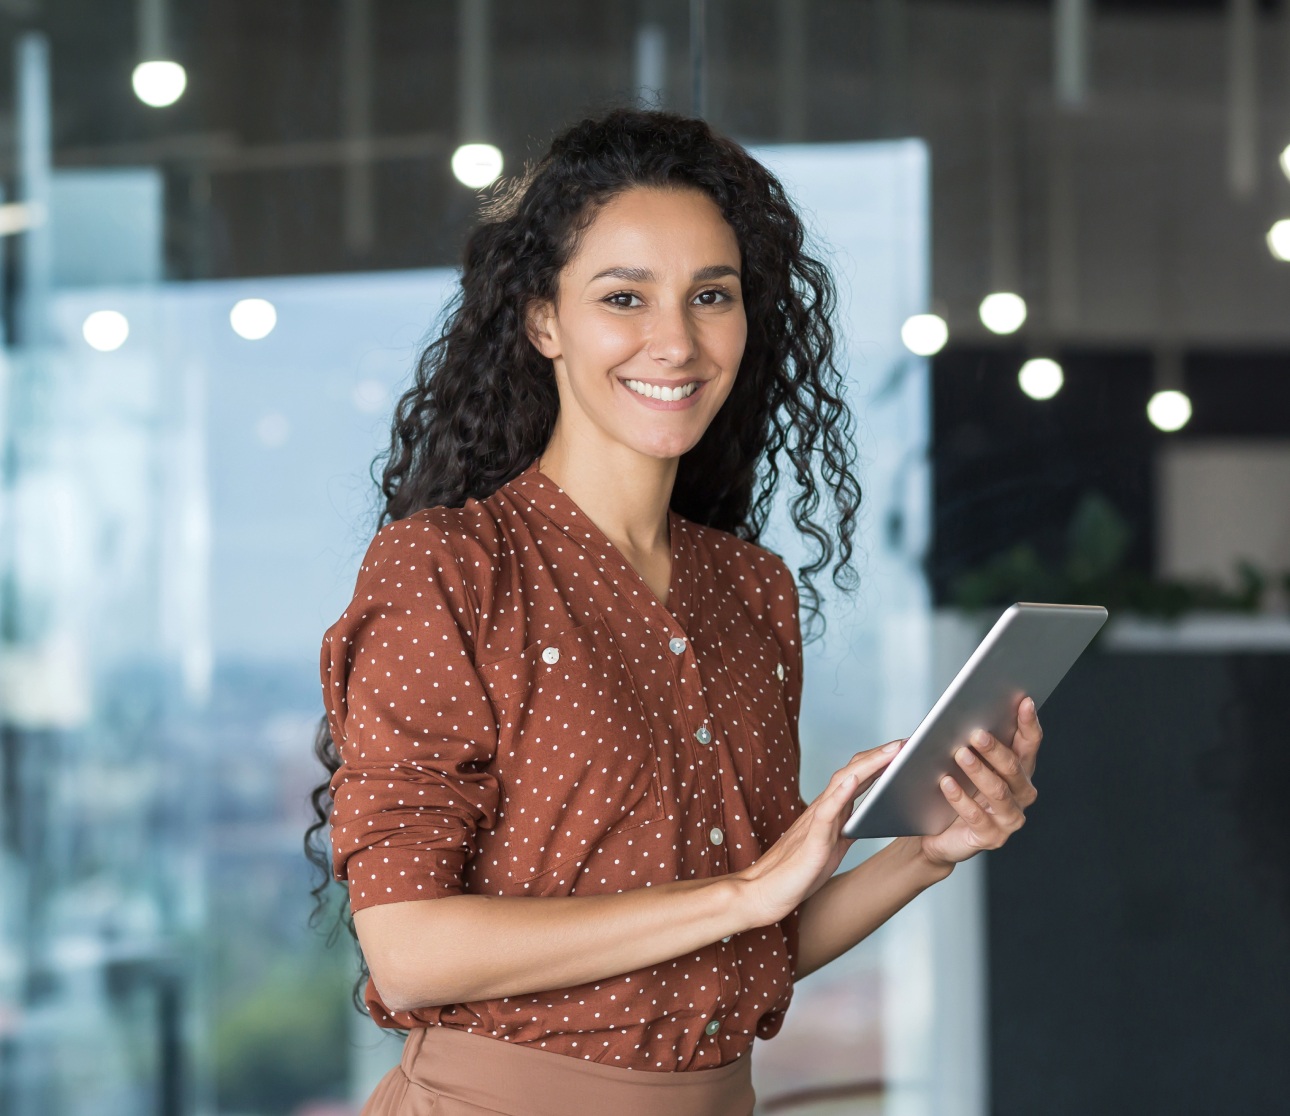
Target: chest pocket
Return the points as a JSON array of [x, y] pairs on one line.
[[575, 759]]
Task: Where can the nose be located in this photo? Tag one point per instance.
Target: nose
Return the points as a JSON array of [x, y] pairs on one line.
[[671, 337]]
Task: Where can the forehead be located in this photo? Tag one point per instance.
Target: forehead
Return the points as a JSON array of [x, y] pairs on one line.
[[677, 224]]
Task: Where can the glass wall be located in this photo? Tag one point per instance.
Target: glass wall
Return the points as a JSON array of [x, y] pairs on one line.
[[189, 507]]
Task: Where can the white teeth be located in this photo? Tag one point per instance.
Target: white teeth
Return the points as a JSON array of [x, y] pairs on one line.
[[656, 392]]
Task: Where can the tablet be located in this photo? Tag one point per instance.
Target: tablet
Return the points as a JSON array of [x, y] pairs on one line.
[[1027, 652]]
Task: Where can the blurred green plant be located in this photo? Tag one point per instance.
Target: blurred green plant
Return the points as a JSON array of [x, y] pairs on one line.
[[1094, 572], [285, 1040]]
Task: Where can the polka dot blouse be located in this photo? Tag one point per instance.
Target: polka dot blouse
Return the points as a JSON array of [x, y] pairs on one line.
[[518, 713]]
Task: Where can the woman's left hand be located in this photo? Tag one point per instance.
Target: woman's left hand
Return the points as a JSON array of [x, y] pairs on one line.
[[1001, 773]]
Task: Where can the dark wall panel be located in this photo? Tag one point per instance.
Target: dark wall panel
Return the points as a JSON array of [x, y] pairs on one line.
[[1140, 922]]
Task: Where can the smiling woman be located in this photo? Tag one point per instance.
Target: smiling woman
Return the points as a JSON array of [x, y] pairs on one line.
[[674, 338], [670, 342], [561, 730]]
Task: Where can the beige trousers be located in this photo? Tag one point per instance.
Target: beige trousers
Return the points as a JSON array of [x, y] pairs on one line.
[[449, 1072]]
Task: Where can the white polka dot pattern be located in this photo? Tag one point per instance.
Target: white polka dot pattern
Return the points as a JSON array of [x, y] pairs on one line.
[[517, 713]]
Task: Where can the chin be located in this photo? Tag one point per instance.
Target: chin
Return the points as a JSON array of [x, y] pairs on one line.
[[664, 451]]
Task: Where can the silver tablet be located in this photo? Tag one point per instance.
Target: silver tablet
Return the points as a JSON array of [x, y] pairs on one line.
[[1028, 651]]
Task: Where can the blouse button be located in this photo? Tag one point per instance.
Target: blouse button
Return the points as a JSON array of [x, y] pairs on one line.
[[714, 1025], [703, 735], [779, 670], [715, 835], [551, 655], [676, 644]]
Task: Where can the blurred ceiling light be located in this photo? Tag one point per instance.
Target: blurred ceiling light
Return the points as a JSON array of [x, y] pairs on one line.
[[925, 334], [253, 318], [105, 330], [1279, 240], [1041, 378], [16, 217], [273, 429], [476, 164], [1003, 312], [1169, 410], [1285, 161], [159, 83], [370, 396]]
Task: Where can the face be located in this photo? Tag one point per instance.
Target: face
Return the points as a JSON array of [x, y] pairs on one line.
[[651, 303]]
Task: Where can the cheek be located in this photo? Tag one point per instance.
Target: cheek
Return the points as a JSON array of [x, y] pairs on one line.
[[729, 342], [606, 340]]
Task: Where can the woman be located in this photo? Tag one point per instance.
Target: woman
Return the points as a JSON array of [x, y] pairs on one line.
[[564, 699]]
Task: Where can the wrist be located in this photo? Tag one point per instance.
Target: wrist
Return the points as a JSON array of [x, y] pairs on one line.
[[928, 869], [743, 904]]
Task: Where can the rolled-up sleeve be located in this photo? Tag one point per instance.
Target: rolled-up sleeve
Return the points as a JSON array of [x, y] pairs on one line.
[[411, 720]]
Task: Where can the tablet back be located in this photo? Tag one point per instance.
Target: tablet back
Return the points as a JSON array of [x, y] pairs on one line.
[[1028, 650]]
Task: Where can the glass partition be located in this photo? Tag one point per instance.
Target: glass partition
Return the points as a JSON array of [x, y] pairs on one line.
[[188, 499]]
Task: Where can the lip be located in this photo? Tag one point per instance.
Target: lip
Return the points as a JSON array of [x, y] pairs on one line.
[[665, 404]]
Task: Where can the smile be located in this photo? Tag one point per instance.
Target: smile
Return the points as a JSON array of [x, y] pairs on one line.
[[653, 391]]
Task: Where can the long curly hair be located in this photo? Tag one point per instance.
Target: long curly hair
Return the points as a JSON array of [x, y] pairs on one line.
[[483, 403]]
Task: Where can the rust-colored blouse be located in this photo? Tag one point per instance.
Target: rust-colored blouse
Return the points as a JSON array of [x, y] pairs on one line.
[[517, 713]]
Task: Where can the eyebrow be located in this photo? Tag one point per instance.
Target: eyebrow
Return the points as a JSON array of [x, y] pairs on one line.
[[644, 275]]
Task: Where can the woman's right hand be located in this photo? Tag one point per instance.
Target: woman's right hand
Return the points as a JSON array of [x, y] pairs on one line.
[[802, 860]]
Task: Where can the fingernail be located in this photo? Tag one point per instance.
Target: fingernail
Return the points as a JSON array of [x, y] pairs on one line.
[[893, 746], [1030, 705], [967, 756], [977, 737]]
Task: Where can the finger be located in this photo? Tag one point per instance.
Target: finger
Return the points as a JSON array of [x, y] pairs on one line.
[[844, 796], [890, 747], [983, 832], [988, 781], [840, 784], [1029, 734], [871, 762], [995, 796], [1007, 764]]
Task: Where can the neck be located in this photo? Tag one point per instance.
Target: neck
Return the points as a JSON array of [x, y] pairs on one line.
[[625, 493]]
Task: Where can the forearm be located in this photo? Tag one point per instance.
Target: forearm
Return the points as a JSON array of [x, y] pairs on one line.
[[853, 904], [476, 947]]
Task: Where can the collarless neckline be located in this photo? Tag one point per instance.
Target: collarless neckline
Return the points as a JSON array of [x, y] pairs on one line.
[[565, 513]]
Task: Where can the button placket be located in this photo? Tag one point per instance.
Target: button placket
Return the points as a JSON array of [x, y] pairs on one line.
[[712, 800]]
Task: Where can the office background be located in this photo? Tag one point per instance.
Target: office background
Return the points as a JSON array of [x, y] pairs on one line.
[[1061, 229]]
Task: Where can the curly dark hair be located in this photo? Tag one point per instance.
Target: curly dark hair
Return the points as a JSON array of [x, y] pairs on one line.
[[484, 402]]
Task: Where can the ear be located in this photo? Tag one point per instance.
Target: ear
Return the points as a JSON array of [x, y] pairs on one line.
[[539, 325]]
